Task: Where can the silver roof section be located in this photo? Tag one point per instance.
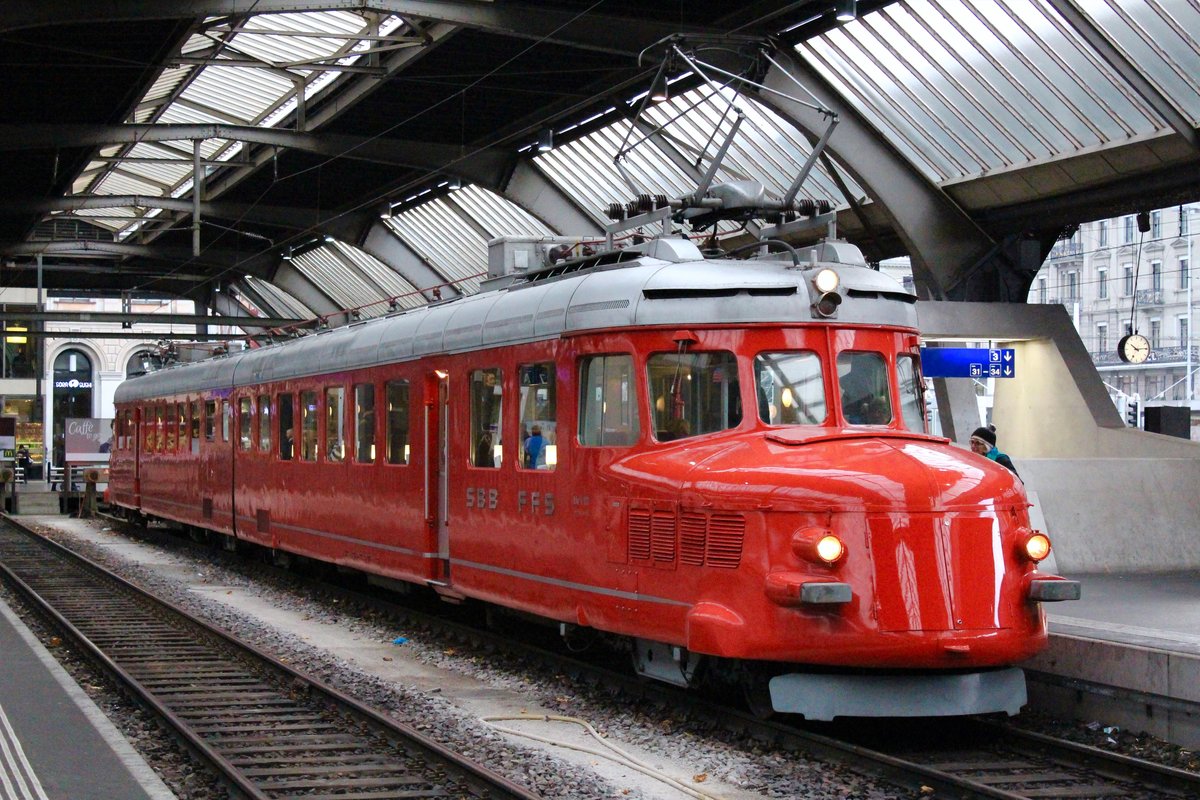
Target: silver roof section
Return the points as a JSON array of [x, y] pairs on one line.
[[677, 288]]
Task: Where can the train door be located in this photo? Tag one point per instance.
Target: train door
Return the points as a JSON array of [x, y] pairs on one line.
[[437, 461]]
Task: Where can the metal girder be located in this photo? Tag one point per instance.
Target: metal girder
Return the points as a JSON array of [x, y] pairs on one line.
[[111, 334], [254, 264], [590, 31], [530, 189], [1082, 24], [485, 166], [382, 243], [231, 312], [159, 319], [942, 240], [296, 219], [297, 284]]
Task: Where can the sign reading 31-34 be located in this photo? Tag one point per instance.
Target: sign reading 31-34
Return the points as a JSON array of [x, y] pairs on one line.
[[968, 362]]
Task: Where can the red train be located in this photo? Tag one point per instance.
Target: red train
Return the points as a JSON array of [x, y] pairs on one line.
[[725, 462]]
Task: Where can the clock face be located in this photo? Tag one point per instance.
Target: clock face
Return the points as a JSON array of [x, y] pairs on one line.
[[1133, 349]]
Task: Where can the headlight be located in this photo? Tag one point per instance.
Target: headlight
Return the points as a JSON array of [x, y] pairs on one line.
[[818, 545], [827, 280], [1037, 546]]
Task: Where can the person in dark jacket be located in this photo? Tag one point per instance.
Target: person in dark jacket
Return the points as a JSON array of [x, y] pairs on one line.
[[983, 442]]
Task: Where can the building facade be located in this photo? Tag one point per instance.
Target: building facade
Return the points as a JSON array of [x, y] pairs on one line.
[[1133, 274]]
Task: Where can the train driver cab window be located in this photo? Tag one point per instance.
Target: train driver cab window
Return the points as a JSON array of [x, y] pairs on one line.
[[539, 417], [335, 423], [863, 381], [287, 429], [308, 426], [245, 418], [264, 423], [912, 393], [210, 420], [608, 410], [195, 426], [486, 401], [790, 387], [693, 393], [364, 423], [397, 422]]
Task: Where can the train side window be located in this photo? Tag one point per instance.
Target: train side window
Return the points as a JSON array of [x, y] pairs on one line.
[[245, 418], [912, 393], [210, 420], [693, 393], [147, 430], [169, 428], [308, 426], [539, 416], [264, 423], [335, 423], [181, 426], [195, 426], [397, 422], [608, 411], [226, 408], [160, 425], [863, 381], [790, 388], [364, 423], [486, 402], [287, 429]]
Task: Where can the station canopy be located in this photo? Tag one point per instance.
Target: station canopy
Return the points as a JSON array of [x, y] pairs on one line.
[[337, 161]]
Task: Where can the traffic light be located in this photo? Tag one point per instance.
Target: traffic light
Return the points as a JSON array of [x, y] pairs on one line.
[[1131, 414]]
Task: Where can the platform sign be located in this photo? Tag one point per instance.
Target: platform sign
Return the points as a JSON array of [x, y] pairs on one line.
[[968, 362]]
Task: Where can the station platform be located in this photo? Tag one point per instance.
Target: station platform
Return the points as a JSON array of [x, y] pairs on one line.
[[1127, 653], [55, 744]]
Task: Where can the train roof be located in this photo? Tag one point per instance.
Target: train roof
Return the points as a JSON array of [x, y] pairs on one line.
[[669, 283]]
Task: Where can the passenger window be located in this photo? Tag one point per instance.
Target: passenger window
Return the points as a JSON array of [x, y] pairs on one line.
[[693, 393], [245, 418], [287, 430], [210, 420], [863, 381], [181, 425], [308, 426], [397, 422], [264, 423], [608, 412], [364, 423], [159, 429], [169, 426], [539, 414], [226, 409], [147, 430], [486, 401], [790, 387], [195, 426], [912, 393], [335, 423]]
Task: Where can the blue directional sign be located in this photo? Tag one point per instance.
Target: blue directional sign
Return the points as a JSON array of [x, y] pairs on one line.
[[968, 362]]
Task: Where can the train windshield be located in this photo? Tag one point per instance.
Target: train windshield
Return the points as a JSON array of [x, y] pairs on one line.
[[912, 394], [693, 393], [863, 379], [790, 388]]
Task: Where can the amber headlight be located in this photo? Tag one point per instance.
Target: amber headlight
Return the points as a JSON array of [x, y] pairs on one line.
[[1037, 546], [818, 545]]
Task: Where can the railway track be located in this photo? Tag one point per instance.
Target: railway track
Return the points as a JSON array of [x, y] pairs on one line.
[[988, 760], [269, 731]]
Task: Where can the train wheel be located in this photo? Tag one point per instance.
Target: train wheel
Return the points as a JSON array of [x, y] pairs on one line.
[[756, 693]]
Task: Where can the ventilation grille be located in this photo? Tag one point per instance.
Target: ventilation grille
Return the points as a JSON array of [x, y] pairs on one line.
[[726, 533], [639, 533], [695, 538]]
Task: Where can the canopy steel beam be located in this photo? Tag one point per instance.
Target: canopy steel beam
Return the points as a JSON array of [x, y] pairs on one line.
[[941, 238], [161, 319], [383, 243], [230, 260], [297, 284], [483, 166], [530, 189], [603, 32]]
